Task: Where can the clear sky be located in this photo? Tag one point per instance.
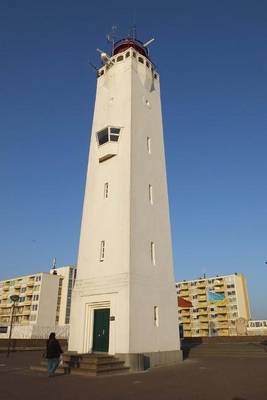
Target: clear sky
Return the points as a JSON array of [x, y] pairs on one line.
[[212, 59]]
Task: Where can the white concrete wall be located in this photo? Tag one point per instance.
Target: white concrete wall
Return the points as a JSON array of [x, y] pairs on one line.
[[151, 285], [242, 297], [36, 332], [106, 219], [46, 315], [126, 281]]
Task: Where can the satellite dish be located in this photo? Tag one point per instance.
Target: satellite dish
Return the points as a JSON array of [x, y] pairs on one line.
[[106, 60]]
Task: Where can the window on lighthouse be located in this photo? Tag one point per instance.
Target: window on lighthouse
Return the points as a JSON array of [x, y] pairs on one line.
[[106, 190], [152, 253], [109, 134], [102, 250], [150, 194], [148, 144], [156, 316]]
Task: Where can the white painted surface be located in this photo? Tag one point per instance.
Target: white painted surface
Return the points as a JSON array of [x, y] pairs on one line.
[[126, 279]]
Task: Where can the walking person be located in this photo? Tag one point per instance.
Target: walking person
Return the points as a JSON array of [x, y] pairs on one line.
[[53, 352]]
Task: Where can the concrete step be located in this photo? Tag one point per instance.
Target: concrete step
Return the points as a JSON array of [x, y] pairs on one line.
[[219, 349], [41, 368], [227, 355], [106, 371], [103, 367], [92, 364], [243, 350], [86, 362], [43, 363]]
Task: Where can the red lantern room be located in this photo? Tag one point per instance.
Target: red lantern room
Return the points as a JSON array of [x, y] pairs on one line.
[[125, 44]]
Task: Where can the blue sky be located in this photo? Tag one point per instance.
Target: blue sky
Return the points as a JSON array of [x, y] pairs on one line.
[[212, 58]]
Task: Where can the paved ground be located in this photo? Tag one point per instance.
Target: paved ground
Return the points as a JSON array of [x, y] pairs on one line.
[[195, 379]]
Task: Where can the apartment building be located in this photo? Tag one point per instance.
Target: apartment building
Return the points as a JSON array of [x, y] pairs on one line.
[[212, 306], [43, 303], [67, 276]]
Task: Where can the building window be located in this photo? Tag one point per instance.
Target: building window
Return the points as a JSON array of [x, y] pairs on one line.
[[106, 190], [152, 253], [120, 58], [102, 136], [102, 250], [141, 60], [150, 194], [156, 316], [114, 134], [109, 134], [148, 145]]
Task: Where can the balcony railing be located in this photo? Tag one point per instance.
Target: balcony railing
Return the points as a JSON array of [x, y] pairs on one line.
[[199, 292], [202, 284]]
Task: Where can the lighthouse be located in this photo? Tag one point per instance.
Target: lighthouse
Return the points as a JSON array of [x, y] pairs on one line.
[[124, 301]]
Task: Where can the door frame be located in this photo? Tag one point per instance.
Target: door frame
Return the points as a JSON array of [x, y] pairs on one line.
[[89, 324]]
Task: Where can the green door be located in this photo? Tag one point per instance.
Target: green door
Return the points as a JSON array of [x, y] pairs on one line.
[[101, 330]]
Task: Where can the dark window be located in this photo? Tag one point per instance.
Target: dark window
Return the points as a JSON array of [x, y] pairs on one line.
[[103, 136], [114, 138], [108, 134]]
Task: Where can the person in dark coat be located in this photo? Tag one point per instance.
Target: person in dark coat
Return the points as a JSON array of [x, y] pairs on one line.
[[53, 352]]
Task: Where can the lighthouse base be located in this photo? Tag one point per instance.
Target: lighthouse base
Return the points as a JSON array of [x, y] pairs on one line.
[[143, 361]]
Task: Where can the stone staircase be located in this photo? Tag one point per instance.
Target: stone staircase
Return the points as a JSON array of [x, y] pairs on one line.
[[94, 364], [240, 350]]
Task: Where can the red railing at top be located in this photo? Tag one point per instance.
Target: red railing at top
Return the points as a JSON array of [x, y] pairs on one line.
[[125, 44]]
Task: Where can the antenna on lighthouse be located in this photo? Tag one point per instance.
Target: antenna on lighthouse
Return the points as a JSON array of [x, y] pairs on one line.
[[148, 42], [95, 68], [54, 263], [112, 36], [132, 32]]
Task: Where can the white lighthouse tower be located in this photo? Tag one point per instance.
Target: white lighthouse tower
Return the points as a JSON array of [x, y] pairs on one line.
[[124, 301]]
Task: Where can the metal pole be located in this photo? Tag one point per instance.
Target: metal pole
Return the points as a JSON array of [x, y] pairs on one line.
[[10, 330]]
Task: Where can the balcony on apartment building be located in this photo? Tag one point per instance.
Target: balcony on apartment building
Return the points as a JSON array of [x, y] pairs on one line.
[[221, 317], [202, 312], [184, 313], [201, 284], [201, 292]]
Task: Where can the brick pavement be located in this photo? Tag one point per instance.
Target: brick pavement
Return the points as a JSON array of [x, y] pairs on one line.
[[193, 379]]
